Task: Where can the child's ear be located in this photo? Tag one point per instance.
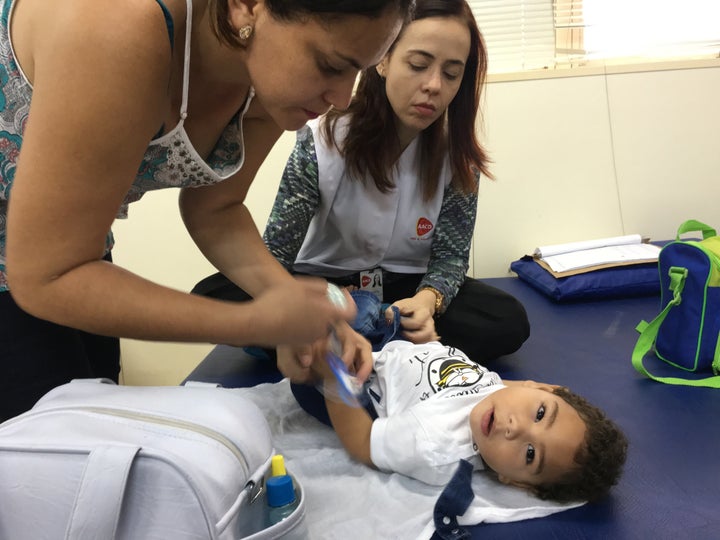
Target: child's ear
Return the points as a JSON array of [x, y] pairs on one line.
[[541, 386], [507, 481]]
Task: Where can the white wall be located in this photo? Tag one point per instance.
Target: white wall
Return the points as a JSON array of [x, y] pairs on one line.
[[575, 158], [586, 157]]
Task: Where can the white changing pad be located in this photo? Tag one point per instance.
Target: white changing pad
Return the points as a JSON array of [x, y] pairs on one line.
[[345, 499]]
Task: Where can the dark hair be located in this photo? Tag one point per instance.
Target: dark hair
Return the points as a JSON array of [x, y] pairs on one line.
[[371, 148], [293, 10], [599, 460]]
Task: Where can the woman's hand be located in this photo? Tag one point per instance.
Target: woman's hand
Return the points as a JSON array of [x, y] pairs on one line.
[[356, 351], [296, 312], [306, 363], [416, 320], [295, 362]]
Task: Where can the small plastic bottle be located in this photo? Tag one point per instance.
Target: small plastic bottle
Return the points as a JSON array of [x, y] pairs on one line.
[[281, 496]]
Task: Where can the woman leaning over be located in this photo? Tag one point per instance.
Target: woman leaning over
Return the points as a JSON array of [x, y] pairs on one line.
[[172, 93]]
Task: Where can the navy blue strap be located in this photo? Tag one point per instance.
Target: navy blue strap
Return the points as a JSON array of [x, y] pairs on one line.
[[453, 502], [169, 23], [171, 33]]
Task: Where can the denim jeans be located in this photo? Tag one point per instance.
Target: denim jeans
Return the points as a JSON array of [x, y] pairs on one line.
[[370, 320]]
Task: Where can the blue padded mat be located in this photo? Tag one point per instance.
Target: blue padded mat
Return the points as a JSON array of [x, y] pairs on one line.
[[671, 485]]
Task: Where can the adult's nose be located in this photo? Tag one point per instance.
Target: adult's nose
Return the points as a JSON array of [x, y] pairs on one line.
[[433, 83], [340, 94]]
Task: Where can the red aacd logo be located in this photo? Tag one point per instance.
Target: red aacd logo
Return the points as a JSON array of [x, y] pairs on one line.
[[424, 226], [365, 281]]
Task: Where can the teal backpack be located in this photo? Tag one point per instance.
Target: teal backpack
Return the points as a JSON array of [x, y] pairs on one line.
[[686, 333]]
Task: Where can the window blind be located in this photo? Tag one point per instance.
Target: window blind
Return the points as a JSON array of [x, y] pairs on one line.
[[541, 34], [519, 33]]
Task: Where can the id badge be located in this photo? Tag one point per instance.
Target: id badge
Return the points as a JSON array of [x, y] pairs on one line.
[[372, 281]]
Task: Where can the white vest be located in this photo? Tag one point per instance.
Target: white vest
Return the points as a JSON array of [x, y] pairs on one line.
[[356, 227]]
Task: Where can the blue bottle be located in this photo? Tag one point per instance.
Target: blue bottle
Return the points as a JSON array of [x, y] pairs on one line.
[[281, 497]]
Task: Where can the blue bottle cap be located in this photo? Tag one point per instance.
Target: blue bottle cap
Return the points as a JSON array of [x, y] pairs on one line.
[[280, 490]]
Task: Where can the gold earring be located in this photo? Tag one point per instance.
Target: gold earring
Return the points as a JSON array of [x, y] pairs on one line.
[[245, 32]]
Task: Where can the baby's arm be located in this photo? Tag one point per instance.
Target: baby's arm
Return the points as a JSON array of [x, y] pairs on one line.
[[352, 424]]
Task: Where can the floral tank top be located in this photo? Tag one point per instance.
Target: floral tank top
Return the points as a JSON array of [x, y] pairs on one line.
[[169, 161]]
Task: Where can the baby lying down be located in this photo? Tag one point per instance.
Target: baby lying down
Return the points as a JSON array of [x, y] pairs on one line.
[[435, 406]]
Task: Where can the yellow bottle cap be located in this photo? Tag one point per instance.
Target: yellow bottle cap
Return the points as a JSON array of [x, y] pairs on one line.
[[278, 465]]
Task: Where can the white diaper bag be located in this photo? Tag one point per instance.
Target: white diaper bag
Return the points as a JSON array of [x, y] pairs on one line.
[[94, 461]]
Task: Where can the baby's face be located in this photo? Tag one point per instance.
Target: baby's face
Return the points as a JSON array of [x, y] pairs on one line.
[[527, 435]]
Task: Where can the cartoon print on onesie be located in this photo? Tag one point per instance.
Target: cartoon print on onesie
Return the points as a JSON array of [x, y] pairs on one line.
[[452, 371], [428, 371]]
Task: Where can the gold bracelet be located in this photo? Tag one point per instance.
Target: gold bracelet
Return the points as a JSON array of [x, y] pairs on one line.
[[438, 298]]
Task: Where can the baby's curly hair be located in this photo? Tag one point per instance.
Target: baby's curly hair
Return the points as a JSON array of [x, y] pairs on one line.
[[599, 460]]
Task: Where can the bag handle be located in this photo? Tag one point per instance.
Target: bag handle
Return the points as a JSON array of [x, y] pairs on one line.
[[96, 511], [692, 225], [649, 331]]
